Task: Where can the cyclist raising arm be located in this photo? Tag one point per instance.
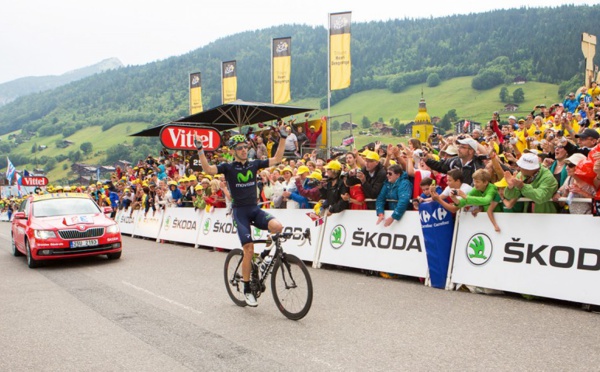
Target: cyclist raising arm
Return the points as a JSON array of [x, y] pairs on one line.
[[241, 180]]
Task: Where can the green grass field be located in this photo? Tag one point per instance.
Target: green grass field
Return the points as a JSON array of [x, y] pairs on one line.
[[374, 104], [100, 140]]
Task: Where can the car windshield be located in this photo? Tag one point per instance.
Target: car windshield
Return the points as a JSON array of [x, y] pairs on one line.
[[64, 206]]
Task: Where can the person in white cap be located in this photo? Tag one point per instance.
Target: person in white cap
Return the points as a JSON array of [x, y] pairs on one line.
[[466, 160], [532, 182]]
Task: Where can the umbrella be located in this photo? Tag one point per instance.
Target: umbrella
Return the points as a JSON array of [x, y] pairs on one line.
[[231, 115], [239, 113]]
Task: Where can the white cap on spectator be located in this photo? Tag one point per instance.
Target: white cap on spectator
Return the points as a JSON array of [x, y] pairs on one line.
[[529, 161], [512, 117], [469, 141], [575, 158], [451, 150]]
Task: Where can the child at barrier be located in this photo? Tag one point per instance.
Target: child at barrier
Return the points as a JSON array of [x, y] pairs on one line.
[[482, 194], [456, 186]]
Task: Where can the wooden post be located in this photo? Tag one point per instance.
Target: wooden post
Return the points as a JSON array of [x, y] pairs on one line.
[[588, 47]]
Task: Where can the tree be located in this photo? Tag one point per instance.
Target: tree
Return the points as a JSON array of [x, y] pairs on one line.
[[51, 164], [366, 123], [335, 125], [504, 94], [34, 148], [397, 84], [518, 95], [86, 147], [433, 80]]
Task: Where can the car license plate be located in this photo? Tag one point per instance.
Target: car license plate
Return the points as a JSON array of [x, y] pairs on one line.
[[84, 243]]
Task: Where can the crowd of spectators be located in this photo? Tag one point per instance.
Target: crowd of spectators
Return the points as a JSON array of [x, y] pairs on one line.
[[488, 169]]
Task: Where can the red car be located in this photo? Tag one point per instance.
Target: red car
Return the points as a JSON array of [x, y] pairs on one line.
[[63, 225]]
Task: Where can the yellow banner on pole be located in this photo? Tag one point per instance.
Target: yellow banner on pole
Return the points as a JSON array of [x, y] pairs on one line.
[[195, 93], [340, 64], [229, 84], [282, 70]]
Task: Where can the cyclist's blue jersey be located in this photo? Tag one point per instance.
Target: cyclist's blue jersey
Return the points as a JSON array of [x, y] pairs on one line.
[[241, 179]]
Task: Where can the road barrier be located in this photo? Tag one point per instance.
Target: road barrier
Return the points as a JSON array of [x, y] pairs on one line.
[[548, 255]]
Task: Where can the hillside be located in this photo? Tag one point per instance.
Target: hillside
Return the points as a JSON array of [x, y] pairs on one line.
[[391, 63], [374, 104], [11, 90]]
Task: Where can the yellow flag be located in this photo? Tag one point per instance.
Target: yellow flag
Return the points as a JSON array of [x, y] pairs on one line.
[[195, 93], [282, 69], [340, 64], [229, 85]]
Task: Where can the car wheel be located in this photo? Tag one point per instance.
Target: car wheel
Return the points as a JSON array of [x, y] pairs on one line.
[[114, 256], [15, 251], [31, 262]]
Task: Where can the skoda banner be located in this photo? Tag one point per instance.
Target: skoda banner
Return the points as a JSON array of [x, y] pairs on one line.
[[438, 226]]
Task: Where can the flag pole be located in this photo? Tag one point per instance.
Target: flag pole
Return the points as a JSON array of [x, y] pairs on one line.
[[272, 67], [328, 85]]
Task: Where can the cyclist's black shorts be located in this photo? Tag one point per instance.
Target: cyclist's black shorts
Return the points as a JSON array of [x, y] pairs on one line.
[[250, 215]]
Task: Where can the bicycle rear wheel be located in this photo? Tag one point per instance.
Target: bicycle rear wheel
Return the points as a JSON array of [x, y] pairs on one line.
[[292, 287], [233, 277]]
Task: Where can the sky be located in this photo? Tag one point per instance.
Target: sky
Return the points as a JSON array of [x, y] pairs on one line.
[[41, 37]]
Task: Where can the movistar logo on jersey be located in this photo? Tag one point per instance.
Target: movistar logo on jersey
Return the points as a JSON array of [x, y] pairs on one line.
[[242, 178]]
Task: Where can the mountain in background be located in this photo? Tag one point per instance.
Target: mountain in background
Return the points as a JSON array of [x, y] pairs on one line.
[[14, 89], [537, 44]]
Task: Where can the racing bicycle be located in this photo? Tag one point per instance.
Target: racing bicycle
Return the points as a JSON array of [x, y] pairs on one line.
[[290, 280]]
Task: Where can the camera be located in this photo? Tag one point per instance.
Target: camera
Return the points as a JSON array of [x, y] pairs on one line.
[[454, 192], [415, 200]]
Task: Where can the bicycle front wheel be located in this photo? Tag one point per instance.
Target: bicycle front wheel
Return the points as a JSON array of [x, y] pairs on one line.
[[233, 277], [292, 287]]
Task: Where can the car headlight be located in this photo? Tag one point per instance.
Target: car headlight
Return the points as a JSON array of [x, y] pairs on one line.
[[112, 229], [44, 234]]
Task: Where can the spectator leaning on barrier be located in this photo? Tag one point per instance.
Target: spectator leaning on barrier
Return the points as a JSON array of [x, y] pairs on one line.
[[533, 182], [455, 184], [335, 193], [372, 177], [482, 194], [574, 188], [395, 195]]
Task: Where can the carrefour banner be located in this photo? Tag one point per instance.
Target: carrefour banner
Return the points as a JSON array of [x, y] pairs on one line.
[[195, 93], [438, 227], [282, 69], [535, 255], [340, 65], [229, 82], [181, 225], [352, 239]]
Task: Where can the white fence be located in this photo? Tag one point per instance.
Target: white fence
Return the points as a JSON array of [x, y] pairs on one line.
[[554, 256]]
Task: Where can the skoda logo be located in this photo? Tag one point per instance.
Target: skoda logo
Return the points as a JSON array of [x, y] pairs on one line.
[[479, 249], [338, 236], [256, 233], [206, 227]]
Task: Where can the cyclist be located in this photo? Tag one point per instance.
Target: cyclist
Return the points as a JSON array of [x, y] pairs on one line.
[[241, 180]]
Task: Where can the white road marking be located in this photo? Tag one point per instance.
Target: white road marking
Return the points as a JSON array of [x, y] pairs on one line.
[[162, 297]]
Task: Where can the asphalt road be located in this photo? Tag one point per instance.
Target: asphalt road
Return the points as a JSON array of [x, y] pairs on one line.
[[164, 307]]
